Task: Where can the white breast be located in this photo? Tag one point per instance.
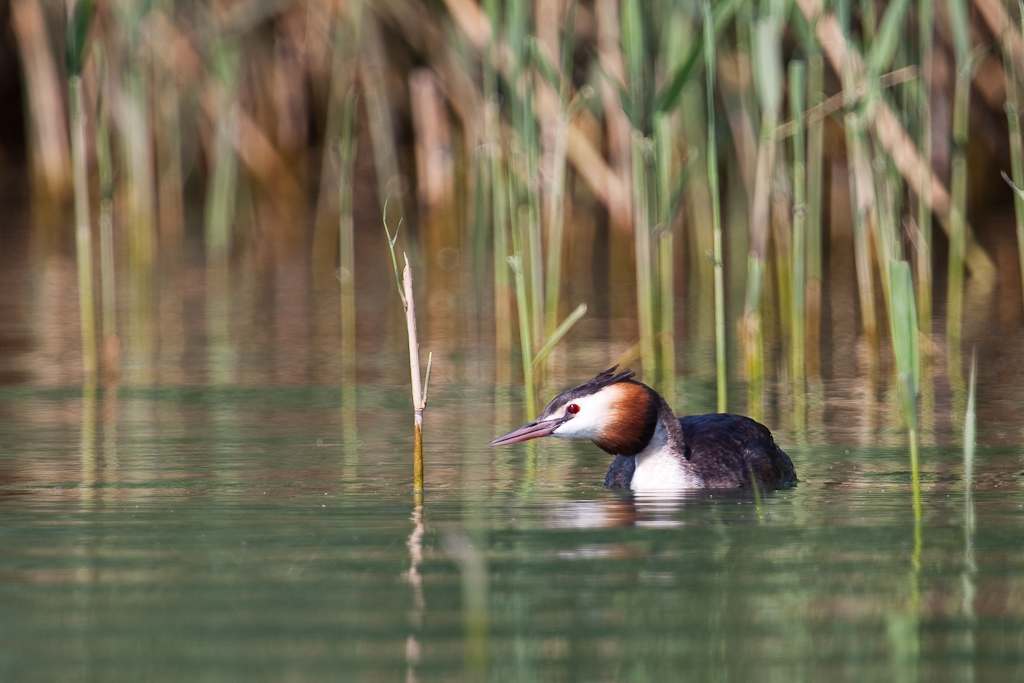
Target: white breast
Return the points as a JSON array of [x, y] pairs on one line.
[[660, 469]]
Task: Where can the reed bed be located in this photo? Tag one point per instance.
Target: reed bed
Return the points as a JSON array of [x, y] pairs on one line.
[[540, 116]]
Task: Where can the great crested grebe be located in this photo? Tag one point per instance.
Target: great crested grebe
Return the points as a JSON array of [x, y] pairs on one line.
[[655, 451]]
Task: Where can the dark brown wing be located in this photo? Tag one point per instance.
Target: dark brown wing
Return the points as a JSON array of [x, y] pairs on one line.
[[726, 448]]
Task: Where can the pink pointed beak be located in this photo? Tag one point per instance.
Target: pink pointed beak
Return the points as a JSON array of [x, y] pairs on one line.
[[534, 430]]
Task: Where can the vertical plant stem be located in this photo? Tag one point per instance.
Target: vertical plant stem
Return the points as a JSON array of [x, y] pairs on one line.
[[862, 199], [958, 183], [924, 212], [346, 253], [525, 338], [556, 206], [342, 46], [346, 245], [797, 72], [1013, 78], [556, 224], [915, 478], [107, 272], [500, 213], [137, 139], [716, 210], [663, 140], [499, 199], [220, 199], [535, 251], [418, 393], [642, 235], [768, 83], [815, 173], [666, 324], [904, 329], [83, 235]]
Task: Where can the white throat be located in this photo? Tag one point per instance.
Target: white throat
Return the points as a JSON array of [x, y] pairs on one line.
[[659, 468]]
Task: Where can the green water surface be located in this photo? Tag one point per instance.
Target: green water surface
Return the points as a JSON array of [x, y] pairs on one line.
[[228, 534]]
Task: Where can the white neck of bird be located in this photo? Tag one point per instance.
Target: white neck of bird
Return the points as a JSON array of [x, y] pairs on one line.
[[662, 465]]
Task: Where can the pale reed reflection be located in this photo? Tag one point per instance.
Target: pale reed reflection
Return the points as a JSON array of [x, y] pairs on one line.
[[419, 605]]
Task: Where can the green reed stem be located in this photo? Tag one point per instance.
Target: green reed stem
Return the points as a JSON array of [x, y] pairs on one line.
[[525, 338], [904, 329], [523, 172], [642, 236], [768, 84], [1013, 77], [556, 225], [346, 245], [137, 144], [535, 251], [815, 175], [716, 210], [556, 198], [500, 227], [665, 248], [797, 73], [666, 323], [958, 183], [926, 23], [106, 218], [498, 189], [83, 236], [860, 189], [220, 200]]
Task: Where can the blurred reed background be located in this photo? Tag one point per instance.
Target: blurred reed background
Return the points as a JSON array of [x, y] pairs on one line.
[[744, 185]]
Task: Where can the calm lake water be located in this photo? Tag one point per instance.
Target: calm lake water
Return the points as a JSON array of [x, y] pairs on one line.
[[226, 512]]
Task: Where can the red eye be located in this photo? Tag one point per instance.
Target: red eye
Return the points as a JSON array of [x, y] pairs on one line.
[[572, 409]]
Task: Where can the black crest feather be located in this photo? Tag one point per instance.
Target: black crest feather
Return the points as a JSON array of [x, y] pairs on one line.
[[606, 378]]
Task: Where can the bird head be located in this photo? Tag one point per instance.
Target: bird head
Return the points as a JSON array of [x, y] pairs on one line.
[[615, 412]]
